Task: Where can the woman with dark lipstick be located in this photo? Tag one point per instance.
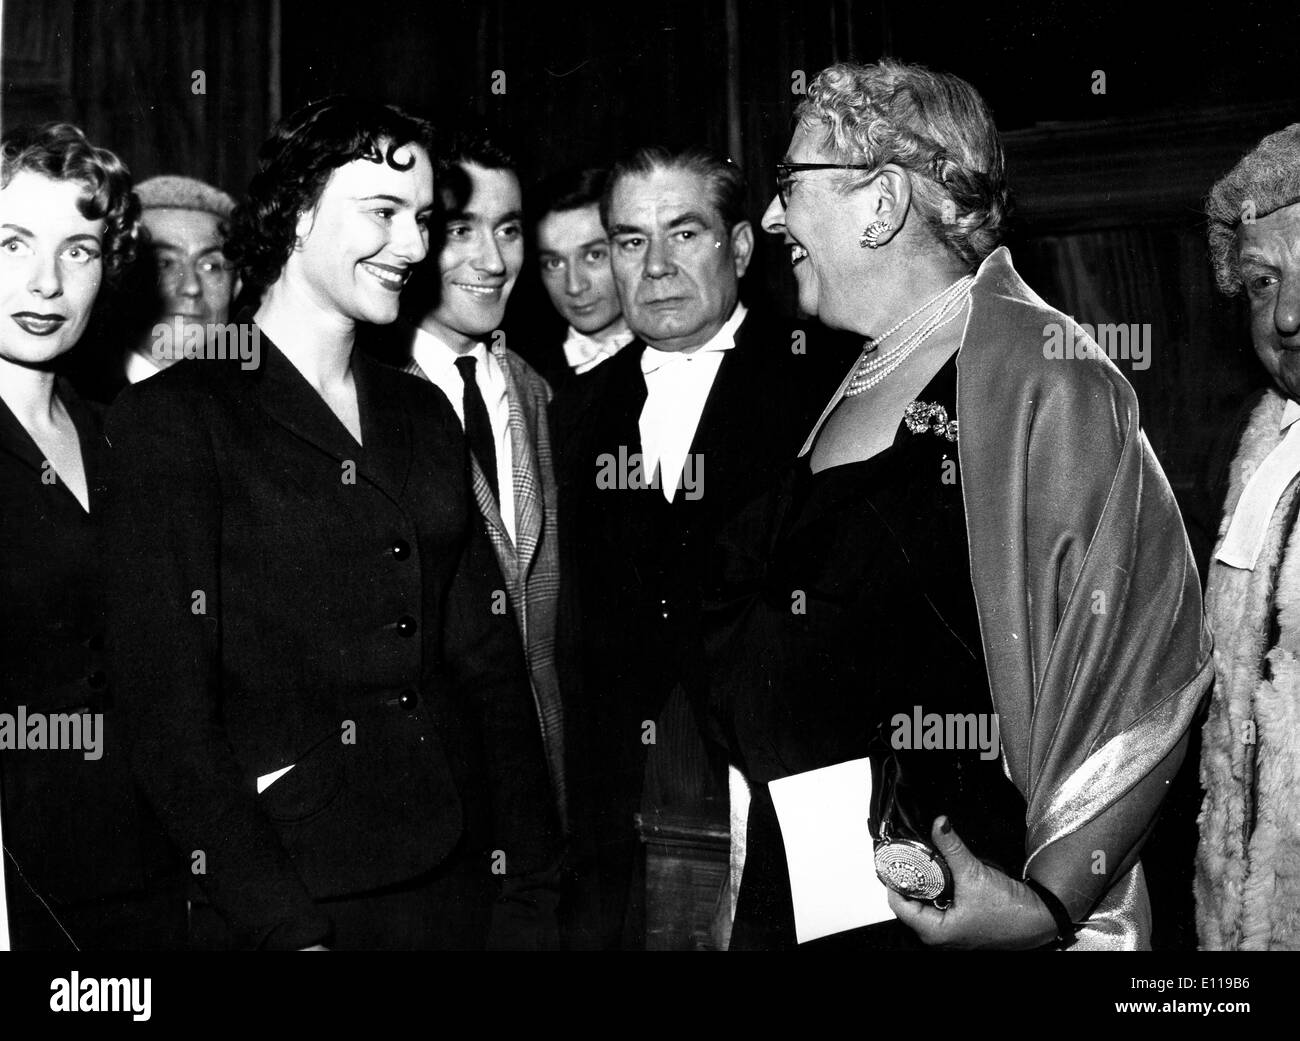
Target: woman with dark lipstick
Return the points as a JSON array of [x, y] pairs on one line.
[[78, 848], [333, 724]]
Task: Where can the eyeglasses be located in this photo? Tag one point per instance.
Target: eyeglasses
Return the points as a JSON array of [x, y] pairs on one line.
[[785, 174]]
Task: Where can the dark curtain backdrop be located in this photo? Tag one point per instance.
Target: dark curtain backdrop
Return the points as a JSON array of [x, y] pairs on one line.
[[124, 71]]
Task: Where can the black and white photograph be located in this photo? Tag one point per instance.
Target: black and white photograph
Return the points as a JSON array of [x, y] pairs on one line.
[[484, 478]]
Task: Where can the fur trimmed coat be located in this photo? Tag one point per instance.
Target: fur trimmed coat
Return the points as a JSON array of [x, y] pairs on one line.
[[1248, 864]]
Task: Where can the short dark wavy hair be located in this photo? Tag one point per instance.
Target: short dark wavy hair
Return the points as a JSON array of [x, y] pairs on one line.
[[61, 152], [570, 190], [725, 180], [295, 164]]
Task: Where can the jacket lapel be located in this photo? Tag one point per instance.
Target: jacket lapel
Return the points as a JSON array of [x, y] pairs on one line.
[[291, 402], [385, 425], [525, 469], [724, 441], [621, 410]]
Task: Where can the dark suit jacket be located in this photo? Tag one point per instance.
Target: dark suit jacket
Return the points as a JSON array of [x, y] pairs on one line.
[[284, 596], [632, 564], [74, 827]]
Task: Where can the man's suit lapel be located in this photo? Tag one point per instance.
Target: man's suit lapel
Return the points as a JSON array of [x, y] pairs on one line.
[[620, 411], [530, 508], [723, 437]]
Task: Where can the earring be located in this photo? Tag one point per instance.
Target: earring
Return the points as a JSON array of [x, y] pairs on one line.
[[870, 237]]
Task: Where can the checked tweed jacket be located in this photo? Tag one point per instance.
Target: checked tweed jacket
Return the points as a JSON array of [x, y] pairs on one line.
[[531, 568]]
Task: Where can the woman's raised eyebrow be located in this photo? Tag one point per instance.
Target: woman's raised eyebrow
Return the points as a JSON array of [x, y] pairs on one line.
[[18, 228]]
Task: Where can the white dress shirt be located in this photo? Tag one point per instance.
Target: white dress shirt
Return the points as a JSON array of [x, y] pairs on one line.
[[677, 387], [583, 353], [439, 363]]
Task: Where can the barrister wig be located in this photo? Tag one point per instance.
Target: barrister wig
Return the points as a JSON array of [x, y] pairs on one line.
[[1264, 180], [60, 151], [295, 164], [932, 124]]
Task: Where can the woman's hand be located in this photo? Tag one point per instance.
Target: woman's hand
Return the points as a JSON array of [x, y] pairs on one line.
[[989, 909]]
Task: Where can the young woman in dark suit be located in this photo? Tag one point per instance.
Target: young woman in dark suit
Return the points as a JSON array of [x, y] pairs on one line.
[[78, 844], [329, 716]]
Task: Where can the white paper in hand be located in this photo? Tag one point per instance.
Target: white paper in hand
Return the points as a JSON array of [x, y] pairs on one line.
[[829, 850]]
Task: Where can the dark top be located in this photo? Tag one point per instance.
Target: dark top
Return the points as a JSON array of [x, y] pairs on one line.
[[74, 827], [845, 603], [283, 596]]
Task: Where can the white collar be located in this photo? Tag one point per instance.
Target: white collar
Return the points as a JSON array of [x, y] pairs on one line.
[[1290, 413], [724, 339], [432, 352], [583, 352], [140, 367]]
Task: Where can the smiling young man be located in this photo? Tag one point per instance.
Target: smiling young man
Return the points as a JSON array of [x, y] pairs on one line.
[[695, 417], [454, 341], [573, 254]]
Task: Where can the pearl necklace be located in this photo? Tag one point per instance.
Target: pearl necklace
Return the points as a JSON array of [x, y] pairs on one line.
[[870, 371]]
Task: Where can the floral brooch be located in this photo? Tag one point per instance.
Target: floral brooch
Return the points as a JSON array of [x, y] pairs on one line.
[[921, 417]]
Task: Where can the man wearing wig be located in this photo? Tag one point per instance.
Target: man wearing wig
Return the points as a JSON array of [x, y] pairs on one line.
[[1247, 873]]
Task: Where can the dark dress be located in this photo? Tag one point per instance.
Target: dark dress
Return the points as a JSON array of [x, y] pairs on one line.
[[843, 600], [84, 857]]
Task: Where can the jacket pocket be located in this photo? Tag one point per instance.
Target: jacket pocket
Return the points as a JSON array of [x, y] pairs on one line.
[[311, 787]]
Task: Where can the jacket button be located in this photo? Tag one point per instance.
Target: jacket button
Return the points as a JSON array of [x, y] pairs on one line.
[[97, 678], [400, 549], [406, 626], [408, 699]]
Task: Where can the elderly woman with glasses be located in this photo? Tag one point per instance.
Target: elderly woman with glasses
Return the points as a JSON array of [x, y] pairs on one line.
[[976, 532]]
